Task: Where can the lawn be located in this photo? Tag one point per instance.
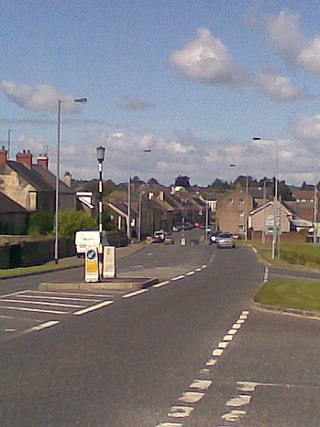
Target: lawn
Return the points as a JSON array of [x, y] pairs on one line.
[[293, 293]]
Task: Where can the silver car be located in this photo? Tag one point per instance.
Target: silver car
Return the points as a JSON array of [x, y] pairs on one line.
[[226, 240]]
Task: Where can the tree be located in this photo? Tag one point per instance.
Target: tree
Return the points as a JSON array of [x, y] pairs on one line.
[[41, 223], [71, 221], [182, 181]]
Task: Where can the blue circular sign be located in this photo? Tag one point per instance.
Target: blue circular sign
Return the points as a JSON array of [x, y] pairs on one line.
[[91, 254]]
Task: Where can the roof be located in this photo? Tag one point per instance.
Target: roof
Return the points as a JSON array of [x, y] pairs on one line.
[[262, 207], [7, 205]]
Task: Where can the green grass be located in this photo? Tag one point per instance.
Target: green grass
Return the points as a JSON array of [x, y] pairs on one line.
[[298, 254], [295, 294]]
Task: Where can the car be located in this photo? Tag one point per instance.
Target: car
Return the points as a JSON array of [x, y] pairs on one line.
[[225, 240], [213, 237], [158, 239], [176, 228], [168, 239]]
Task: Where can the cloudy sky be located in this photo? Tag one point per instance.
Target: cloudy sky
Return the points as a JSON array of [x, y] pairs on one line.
[[191, 81]]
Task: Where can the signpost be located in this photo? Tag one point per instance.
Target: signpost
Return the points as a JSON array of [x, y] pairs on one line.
[[91, 265]]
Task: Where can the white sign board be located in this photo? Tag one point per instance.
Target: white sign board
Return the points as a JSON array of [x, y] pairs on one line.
[[109, 262]]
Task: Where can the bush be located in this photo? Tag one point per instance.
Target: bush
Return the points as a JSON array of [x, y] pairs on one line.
[[71, 221], [41, 223]]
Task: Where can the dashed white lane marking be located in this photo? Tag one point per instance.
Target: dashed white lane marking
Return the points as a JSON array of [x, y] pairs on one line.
[[201, 384], [228, 337], [232, 331], [198, 269], [191, 397], [92, 308], [241, 400], [223, 344], [169, 425], [133, 294], [217, 352], [40, 297], [191, 273], [178, 278], [9, 330], [159, 285], [180, 411], [234, 415], [37, 328]]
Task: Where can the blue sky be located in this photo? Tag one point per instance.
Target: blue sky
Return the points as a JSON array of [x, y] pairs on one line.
[[192, 81]]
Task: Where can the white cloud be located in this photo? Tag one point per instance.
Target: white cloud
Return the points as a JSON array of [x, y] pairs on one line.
[[290, 42], [206, 59], [278, 88], [133, 103], [307, 129], [41, 98]]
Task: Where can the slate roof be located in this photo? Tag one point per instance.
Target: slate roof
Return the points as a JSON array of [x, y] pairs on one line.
[[7, 205]]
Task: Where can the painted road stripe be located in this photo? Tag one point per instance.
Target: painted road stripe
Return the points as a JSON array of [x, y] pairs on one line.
[[180, 411], [8, 307], [204, 266], [41, 303], [92, 308], [169, 425], [58, 298], [236, 326], [228, 337], [70, 293], [191, 273], [211, 362], [13, 293], [177, 278], [201, 384], [133, 294], [191, 397], [158, 285], [232, 331], [223, 344], [37, 328], [217, 352], [241, 400], [198, 269]]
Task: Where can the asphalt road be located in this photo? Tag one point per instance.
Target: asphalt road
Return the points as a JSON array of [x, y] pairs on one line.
[[190, 351]]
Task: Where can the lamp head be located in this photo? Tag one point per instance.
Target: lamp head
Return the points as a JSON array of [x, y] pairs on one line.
[[100, 154], [81, 100]]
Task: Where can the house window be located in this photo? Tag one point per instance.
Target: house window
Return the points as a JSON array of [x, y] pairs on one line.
[[241, 201], [241, 214], [240, 227], [32, 202], [230, 202]]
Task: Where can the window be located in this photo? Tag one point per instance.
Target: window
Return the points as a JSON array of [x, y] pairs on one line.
[[241, 214], [32, 202], [240, 227], [241, 201]]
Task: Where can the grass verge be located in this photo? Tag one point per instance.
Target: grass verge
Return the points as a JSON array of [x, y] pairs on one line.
[[294, 293]]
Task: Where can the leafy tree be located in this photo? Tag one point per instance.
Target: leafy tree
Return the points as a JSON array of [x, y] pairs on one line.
[[41, 223], [220, 185], [182, 181], [284, 191], [71, 221]]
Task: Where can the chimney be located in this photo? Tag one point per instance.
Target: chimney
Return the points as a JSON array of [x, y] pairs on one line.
[[25, 158], [68, 179], [43, 161], [161, 196], [3, 155]]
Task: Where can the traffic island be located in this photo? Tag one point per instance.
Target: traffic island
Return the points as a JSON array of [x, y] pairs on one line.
[[107, 285]]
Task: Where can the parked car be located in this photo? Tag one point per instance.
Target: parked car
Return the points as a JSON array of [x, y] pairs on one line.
[[226, 240], [213, 237], [176, 228], [168, 239]]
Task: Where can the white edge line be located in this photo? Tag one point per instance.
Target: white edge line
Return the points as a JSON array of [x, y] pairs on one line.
[[132, 294], [45, 325], [191, 273], [92, 308], [177, 278], [158, 285]]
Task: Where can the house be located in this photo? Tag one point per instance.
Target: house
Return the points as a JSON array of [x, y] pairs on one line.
[[13, 217], [262, 218], [303, 205], [232, 212], [31, 185]]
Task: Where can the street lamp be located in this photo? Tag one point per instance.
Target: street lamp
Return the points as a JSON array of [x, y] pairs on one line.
[[56, 241], [100, 158], [276, 234]]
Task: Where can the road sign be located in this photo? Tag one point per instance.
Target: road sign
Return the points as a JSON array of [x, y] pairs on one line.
[[91, 265]]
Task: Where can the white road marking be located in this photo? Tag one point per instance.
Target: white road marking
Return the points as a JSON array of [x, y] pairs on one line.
[[58, 298], [177, 278], [169, 425], [180, 411], [201, 384], [228, 337], [240, 321], [159, 285], [191, 273], [245, 312], [241, 400], [69, 293], [198, 269], [191, 397], [37, 328], [211, 362], [204, 266], [247, 386], [243, 317], [217, 352], [8, 307], [9, 330], [93, 308], [232, 331], [236, 326], [41, 303], [223, 344], [13, 293], [133, 294], [234, 415]]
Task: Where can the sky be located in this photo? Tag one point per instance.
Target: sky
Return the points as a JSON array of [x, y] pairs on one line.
[[192, 81]]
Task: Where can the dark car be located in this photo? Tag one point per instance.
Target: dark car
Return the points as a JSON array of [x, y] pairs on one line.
[[213, 237]]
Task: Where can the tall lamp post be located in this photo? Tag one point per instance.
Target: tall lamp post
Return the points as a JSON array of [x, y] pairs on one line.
[[276, 232], [100, 158], [56, 240]]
